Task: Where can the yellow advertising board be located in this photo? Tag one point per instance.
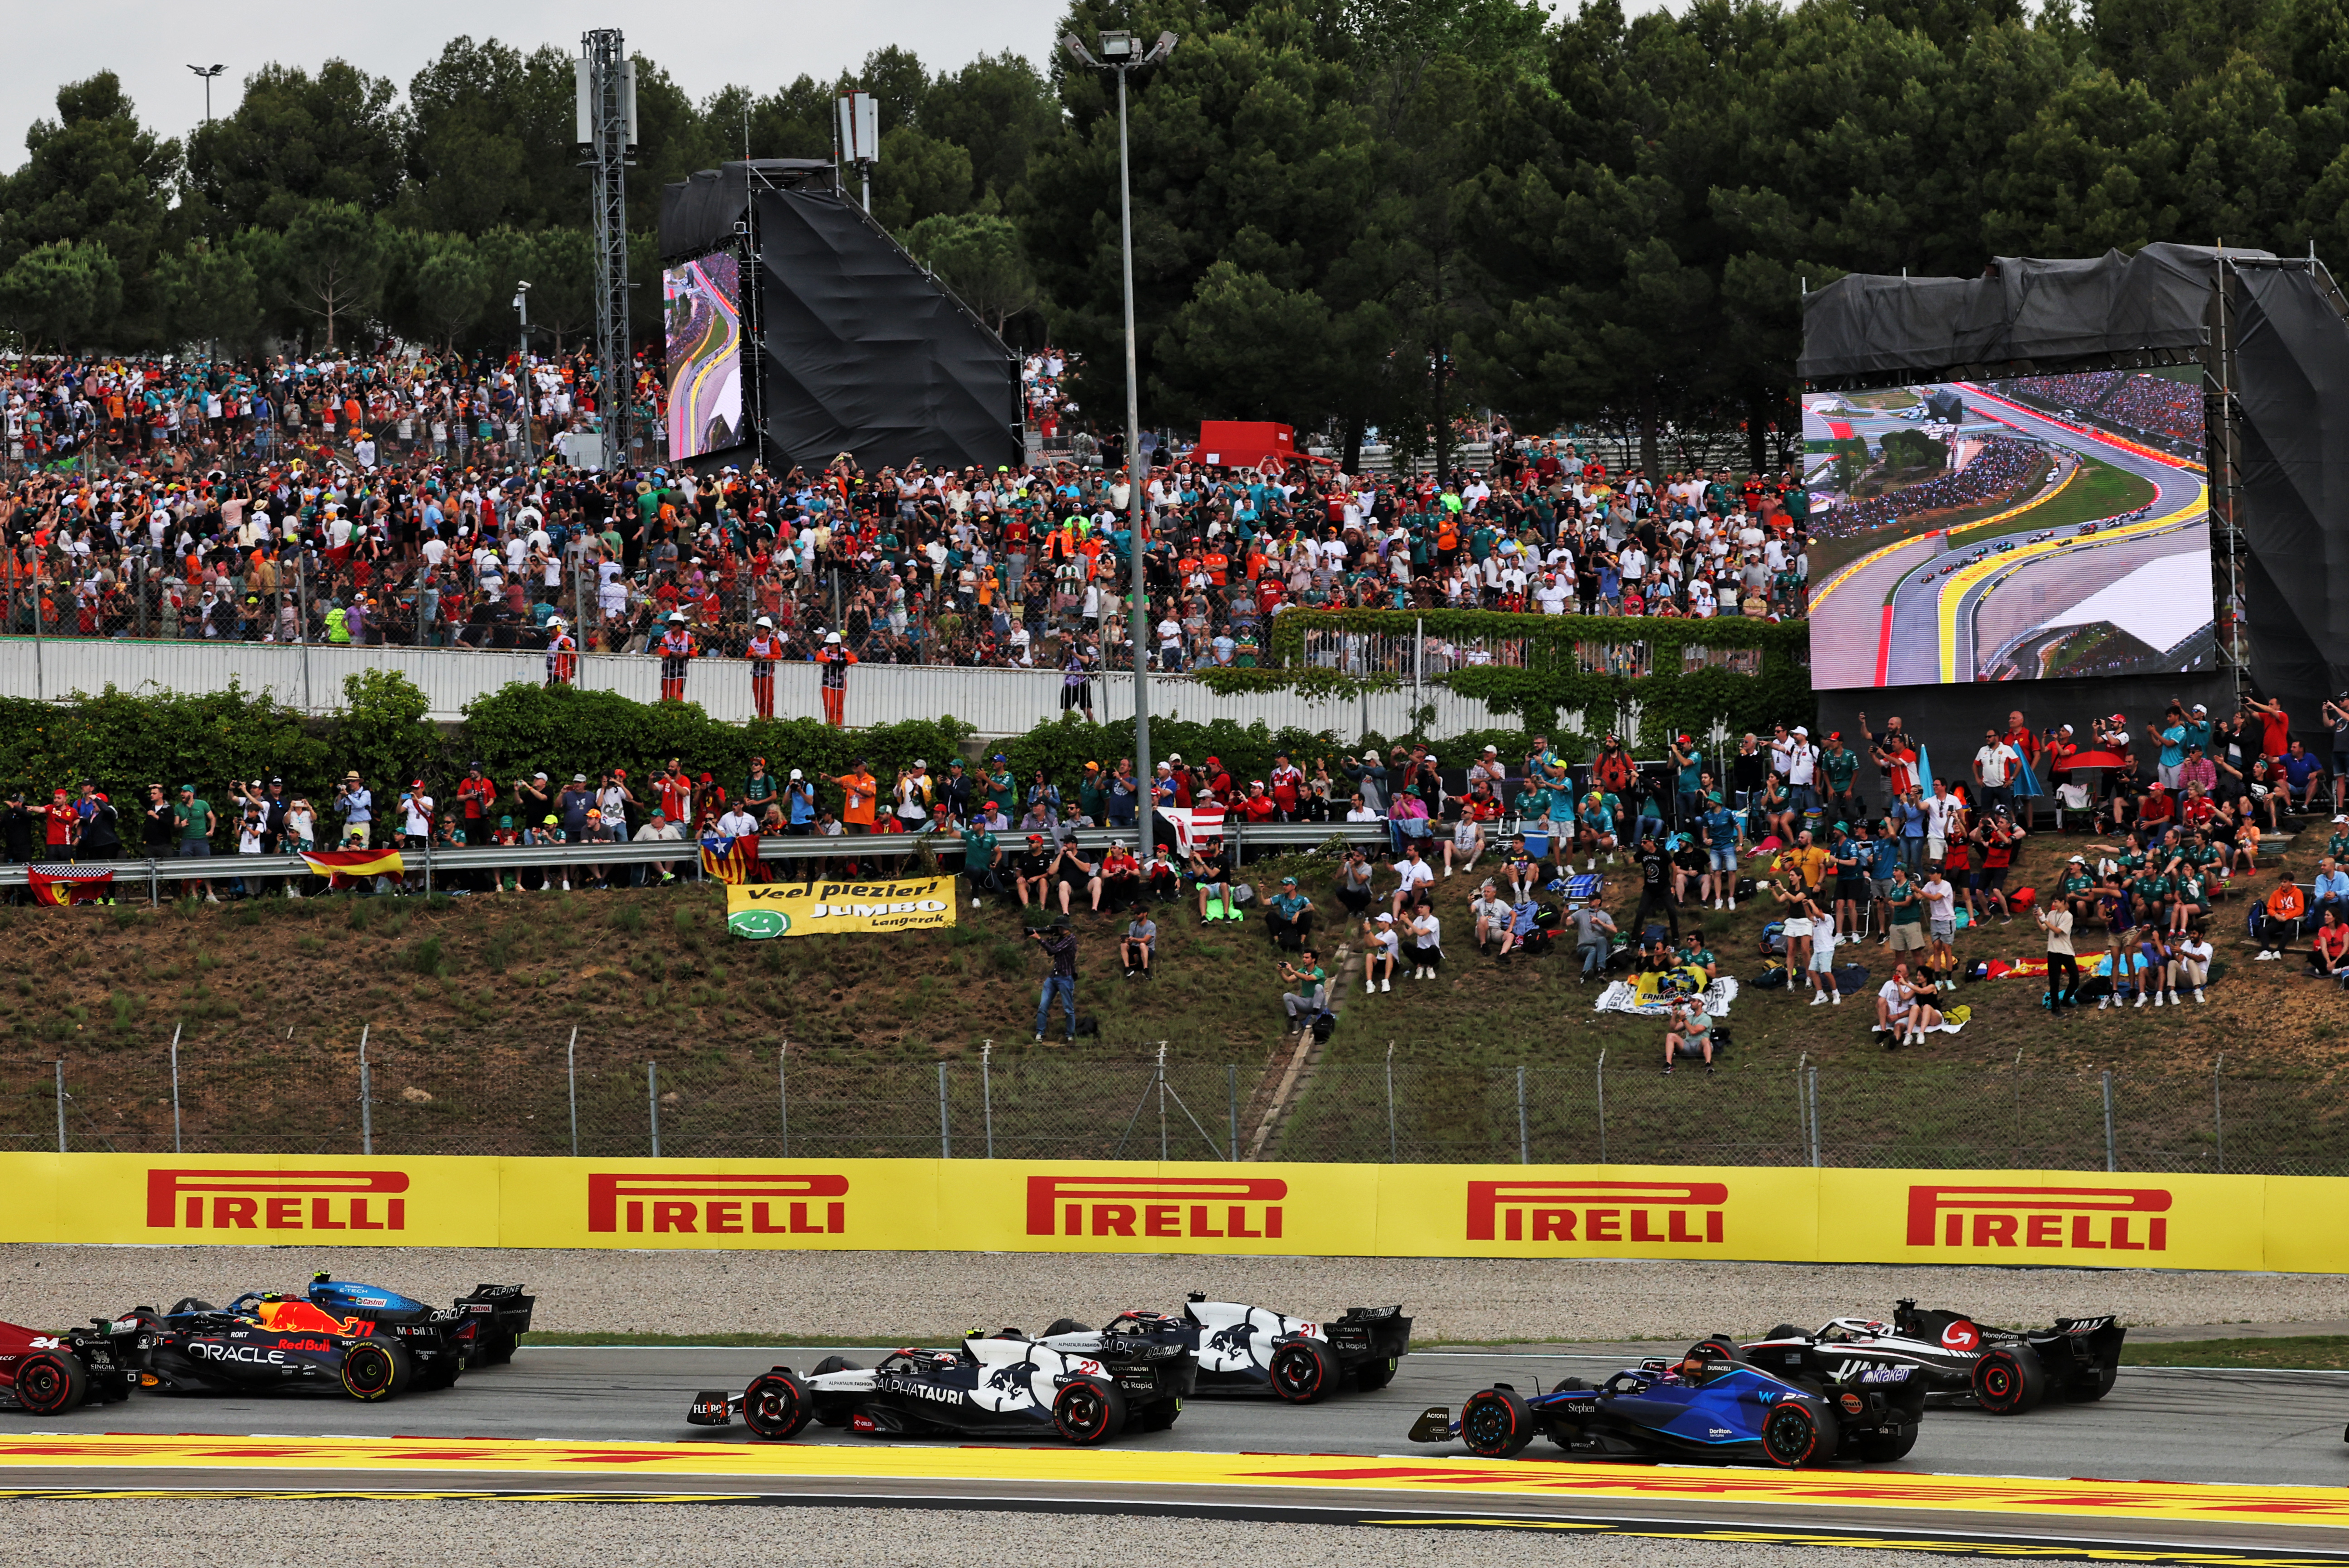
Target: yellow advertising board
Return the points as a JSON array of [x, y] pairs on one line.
[[2010, 1219], [757, 910]]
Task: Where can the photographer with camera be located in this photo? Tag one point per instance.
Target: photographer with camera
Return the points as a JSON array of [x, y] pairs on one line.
[[1059, 945], [1311, 997]]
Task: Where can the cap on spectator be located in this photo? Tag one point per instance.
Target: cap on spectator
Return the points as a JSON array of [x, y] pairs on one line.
[[505, 822], [540, 775], [592, 812], [1492, 750], [658, 814], [350, 777], [550, 821], [952, 763], [1800, 731], [795, 775], [1372, 755], [2078, 860], [1386, 919], [1093, 767], [576, 778], [1288, 881], [1173, 757], [1035, 839]]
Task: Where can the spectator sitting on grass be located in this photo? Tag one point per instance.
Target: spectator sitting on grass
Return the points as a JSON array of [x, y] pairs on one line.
[[1520, 871], [1119, 881], [1288, 916], [1490, 912], [1690, 1029], [1892, 1001], [1031, 872], [1381, 948], [1594, 940], [1354, 875], [1162, 876], [2328, 945], [1415, 875], [1467, 843], [1311, 996], [1140, 944], [2190, 956]]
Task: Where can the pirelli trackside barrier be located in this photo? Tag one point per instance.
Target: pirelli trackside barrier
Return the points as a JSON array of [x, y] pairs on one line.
[[2297, 1224]]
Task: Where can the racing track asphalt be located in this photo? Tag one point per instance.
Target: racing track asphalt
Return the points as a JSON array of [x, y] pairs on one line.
[[2244, 1426]]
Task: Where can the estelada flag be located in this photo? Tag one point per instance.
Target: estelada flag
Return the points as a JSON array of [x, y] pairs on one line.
[[70, 883], [728, 859], [341, 868]]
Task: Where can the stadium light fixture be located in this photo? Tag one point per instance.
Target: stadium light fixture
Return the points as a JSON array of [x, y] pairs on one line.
[[1123, 52], [208, 73]]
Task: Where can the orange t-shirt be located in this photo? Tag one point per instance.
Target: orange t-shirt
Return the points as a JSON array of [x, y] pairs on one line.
[[2286, 903], [860, 791]]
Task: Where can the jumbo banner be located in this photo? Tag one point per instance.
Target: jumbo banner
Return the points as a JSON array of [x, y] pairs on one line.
[[2012, 1219], [757, 910]]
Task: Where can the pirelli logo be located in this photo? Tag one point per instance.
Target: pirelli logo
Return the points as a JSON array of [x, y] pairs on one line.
[[1239, 1207], [1598, 1211], [229, 1199], [2086, 1219], [727, 1205]]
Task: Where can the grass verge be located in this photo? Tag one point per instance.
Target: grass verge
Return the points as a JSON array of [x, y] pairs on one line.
[[2306, 1352]]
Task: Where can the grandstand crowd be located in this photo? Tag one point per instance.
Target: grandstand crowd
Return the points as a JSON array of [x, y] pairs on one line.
[[2149, 405], [417, 502], [1997, 467]]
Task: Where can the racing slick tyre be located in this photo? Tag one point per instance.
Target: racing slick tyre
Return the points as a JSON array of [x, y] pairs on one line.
[[1373, 1375], [373, 1371], [1496, 1424], [1156, 1417], [831, 1363], [1061, 1326], [1088, 1411], [1796, 1433], [1882, 1447], [1303, 1371], [1717, 1348], [47, 1384], [2087, 1390], [776, 1406], [1785, 1331], [2009, 1380]]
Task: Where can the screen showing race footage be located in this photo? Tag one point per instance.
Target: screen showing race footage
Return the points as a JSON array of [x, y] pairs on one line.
[[702, 302], [2027, 529]]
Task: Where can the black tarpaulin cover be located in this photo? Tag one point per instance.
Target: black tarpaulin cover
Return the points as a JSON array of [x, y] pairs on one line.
[[2026, 309], [698, 214], [862, 351], [2292, 355]]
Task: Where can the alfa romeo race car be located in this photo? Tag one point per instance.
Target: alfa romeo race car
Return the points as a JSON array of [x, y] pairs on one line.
[[199, 1348], [1959, 1361], [1087, 1387], [1252, 1350], [48, 1374], [1710, 1405]]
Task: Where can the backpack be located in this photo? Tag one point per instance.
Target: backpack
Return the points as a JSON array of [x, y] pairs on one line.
[[1325, 1024], [1772, 977]]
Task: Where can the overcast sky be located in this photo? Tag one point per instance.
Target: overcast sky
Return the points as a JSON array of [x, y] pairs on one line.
[[150, 45]]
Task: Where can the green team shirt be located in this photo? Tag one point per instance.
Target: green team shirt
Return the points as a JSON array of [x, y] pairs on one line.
[[2077, 886], [2153, 885], [978, 848], [2190, 890], [189, 819], [1907, 906], [1841, 767]]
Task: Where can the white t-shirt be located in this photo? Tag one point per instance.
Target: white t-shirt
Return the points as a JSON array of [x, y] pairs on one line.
[[1415, 874], [1940, 905], [1941, 815], [420, 814], [1430, 932], [1995, 761]]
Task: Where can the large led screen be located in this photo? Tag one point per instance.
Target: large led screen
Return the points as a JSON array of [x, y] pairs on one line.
[[702, 302], [2020, 530]]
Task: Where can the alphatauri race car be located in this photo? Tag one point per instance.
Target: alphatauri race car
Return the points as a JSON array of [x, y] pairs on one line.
[[199, 1348], [2004, 1371], [49, 1374], [1130, 1377], [1711, 1405], [1252, 1350]]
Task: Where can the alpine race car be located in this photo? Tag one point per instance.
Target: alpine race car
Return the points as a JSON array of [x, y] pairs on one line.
[[1253, 1350], [1711, 1405], [1087, 1387], [199, 1348], [48, 1373], [1960, 1362], [484, 1328]]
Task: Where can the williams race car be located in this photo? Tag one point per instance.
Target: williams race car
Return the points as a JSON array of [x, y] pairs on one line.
[[1708, 1405], [1131, 1376], [1252, 1350], [199, 1348], [48, 1373], [1960, 1362]]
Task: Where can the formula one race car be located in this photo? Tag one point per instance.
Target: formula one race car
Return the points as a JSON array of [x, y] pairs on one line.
[[48, 1373], [1959, 1361], [1707, 1405], [484, 1327], [198, 1348], [1132, 1376], [1252, 1350]]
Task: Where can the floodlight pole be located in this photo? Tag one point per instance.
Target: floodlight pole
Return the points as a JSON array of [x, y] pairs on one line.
[[522, 368], [1122, 56]]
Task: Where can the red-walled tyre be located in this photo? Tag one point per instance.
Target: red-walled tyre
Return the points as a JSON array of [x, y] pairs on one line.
[[46, 1384], [1303, 1371], [1088, 1411], [1496, 1424], [776, 1406], [1796, 1433], [2009, 1380]]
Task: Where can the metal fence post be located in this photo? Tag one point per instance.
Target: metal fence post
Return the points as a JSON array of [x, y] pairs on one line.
[[652, 1103], [2219, 1111], [783, 1093], [1815, 1117], [175, 1089], [2112, 1161], [1392, 1156], [302, 633], [61, 1104], [366, 1104], [1162, 1102], [1525, 1147], [1232, 1089], [986, 1093], [571, 1073], [1602, 1107], [945, 1138]]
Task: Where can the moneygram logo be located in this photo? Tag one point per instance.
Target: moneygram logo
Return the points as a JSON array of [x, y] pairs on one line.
[[728, 1205], [1597, 1211], [2084, 1219], [1239, 1207], [276, 1199]]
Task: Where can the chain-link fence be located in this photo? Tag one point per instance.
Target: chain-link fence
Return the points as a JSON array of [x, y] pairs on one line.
[[287, 1098]]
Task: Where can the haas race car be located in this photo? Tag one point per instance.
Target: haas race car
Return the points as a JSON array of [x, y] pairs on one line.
[[1252, 1350], [49, 1374], [1960, 1362], [1711, 1405], [1130, 1377]]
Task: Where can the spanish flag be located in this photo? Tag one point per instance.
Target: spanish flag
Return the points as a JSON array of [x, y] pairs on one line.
[[728, 859], [342, 868]]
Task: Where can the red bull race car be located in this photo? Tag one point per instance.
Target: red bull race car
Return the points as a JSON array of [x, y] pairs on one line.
[[49, 1374], [259, 1347]]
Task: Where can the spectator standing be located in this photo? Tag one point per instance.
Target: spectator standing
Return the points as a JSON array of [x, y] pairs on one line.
[[1059, 945], [1995, 766], [836, 660], [193, 820]]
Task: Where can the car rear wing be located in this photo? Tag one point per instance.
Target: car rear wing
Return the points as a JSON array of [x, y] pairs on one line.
[[503, 1308]]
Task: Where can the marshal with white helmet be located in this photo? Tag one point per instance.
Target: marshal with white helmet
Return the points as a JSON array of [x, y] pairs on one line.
[[2004, 1371]]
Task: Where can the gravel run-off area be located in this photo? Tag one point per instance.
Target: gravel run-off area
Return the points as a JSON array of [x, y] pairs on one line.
[[231, 1532], [908, 1296]]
